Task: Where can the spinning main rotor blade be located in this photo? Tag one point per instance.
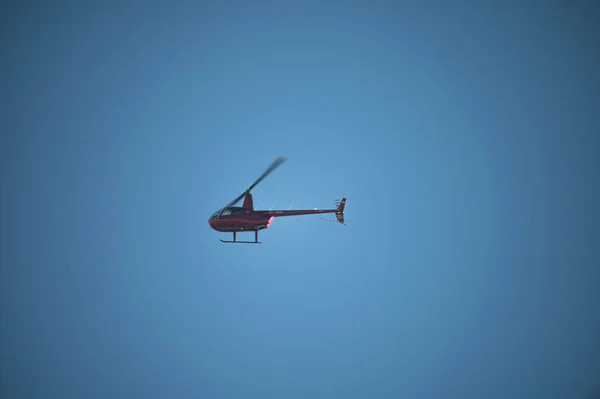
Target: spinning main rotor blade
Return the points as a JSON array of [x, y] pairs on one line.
[[270, 169]]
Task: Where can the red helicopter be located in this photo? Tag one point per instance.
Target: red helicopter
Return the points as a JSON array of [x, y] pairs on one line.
[[233, 219]]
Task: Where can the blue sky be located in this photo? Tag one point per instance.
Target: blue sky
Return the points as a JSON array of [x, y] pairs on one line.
[[462, 133]]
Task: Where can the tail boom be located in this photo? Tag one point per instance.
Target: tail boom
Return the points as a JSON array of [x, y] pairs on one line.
[[339, 212], [278, 213]]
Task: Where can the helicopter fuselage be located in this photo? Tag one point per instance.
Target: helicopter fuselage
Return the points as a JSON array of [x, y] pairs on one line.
[[239, 219]]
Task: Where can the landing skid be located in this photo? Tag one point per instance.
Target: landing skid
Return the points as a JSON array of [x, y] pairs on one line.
[[244, 242]]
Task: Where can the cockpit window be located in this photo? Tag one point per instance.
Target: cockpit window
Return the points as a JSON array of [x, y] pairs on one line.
[[226, 211], [214, 215]]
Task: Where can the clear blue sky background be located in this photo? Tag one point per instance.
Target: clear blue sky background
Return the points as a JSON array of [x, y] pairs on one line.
[[464, 135]]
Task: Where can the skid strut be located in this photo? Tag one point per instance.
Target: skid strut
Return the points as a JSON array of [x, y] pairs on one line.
[[244, 242]]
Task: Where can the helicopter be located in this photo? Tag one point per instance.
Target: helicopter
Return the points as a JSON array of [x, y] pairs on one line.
[[235, 219]]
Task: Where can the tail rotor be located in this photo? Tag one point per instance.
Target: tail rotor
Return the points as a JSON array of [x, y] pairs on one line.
[[339, 212]]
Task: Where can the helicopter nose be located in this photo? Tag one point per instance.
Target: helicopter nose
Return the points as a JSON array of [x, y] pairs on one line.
[[211, 222]]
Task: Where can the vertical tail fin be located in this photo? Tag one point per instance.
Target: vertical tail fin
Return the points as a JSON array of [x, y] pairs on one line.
[[339, 213]]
